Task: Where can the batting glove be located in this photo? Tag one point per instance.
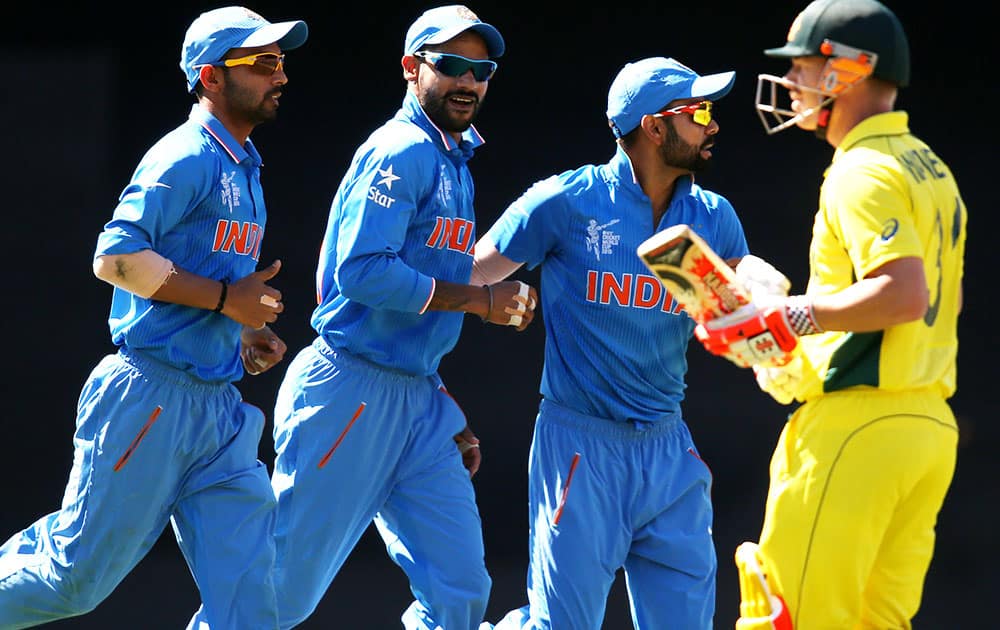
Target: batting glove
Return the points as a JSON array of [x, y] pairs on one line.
[[760, 608], [760, 333], [781, 382], [761, 279]]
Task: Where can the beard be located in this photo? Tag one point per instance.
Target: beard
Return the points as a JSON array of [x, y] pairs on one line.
[[435, 105], [248, 105], [679, 154]]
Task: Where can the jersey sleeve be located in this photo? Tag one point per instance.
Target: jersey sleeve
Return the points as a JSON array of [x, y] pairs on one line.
[[159, 195], [531, 226], [732, 242], [867, 207], [376, 207]]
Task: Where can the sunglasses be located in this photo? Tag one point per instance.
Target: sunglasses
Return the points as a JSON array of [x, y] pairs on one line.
[[701, 112], [265, 62], [457, 65]]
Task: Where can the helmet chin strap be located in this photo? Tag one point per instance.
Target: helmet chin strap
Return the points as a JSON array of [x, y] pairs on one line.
[[823, 119]]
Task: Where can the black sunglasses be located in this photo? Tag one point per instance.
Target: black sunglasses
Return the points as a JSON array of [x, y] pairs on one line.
[[457, 65]]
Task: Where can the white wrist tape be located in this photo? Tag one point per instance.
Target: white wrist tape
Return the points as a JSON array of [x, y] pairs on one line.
[[141, 273], [522, 290]]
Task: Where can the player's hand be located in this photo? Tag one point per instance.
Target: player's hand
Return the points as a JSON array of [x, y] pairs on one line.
[[251, 302], [760, 607], [751, 335], [761, 278], [468, 446], [781, 382], [513, 304], [261, 349]]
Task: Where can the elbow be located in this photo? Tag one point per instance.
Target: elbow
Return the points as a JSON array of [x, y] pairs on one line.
[[478, 277], [915, 312], [103, 268], [353, 280], [912, 305]]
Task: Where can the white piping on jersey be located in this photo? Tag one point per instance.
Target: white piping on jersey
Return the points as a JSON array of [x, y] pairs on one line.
[[447, 139], [220, 141]]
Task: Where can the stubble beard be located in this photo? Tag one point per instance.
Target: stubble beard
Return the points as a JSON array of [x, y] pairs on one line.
[[436, 107], [677, 153]]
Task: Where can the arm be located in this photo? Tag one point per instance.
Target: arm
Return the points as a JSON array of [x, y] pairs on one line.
[[895, 293], [766, 330], [498, 303], [490, 266], [249, 300]]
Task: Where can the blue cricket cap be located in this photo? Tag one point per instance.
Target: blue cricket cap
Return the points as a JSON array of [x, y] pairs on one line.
[[214, 32], [647, 86], [436, 26]]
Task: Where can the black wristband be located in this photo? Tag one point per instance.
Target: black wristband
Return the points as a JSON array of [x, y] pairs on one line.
[[489, 310], [222, 297]]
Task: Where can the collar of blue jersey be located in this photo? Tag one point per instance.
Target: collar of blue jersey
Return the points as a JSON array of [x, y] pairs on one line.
[[471, 139], [211, 124], [620, 167]]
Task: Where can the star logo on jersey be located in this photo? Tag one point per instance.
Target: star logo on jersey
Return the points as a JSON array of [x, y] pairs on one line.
[[387, 178]]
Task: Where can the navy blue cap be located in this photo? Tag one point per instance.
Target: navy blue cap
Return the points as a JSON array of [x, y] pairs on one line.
[[214, 32], [646, 86], [436, 26]]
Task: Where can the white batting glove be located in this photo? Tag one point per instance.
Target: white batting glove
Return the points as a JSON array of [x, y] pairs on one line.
[[783, 382], [760, 607], [762, 279]]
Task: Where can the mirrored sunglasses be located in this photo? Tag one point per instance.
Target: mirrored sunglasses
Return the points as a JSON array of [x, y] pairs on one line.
[[457, 65], [265, 62], [701, 112]]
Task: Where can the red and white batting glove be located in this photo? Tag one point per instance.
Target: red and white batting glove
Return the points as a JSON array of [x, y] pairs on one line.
[[759, 334]]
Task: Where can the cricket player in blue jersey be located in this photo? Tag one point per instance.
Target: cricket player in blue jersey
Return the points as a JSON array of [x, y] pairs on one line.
[[364, 427], [615, 479], [162, 433]]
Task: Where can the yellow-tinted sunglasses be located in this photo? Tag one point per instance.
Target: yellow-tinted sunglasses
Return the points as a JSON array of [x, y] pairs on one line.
[[701, 112], [265, 62]]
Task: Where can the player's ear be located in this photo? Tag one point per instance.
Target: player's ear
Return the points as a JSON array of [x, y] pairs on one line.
[[210, 78], [652, 127], [409, 63]]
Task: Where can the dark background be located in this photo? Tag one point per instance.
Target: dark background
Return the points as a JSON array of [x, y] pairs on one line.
[[86, 91]]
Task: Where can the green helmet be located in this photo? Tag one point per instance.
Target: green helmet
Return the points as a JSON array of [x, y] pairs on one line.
[[867, 25]]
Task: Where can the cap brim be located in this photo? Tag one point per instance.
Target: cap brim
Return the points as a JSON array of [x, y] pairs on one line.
[[713, 86], [788, 51], [494, 41], [287, 35]]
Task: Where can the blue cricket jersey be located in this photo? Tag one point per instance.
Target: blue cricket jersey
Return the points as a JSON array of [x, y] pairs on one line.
[[615, 339], [196, 199], [402, 217]]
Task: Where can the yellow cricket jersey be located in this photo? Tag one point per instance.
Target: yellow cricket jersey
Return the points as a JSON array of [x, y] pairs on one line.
[[885, 196]]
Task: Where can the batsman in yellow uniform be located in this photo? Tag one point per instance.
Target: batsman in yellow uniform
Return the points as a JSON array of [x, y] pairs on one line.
[[862, 467]]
